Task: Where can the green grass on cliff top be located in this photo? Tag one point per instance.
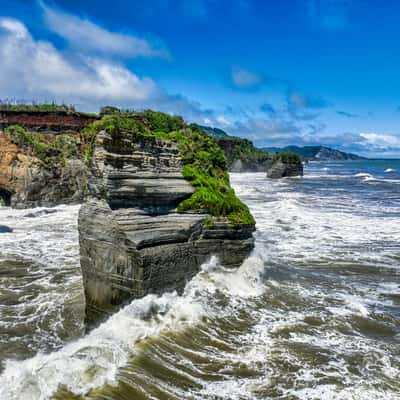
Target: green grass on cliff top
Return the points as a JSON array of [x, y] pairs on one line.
[[41, 108], [286, 158], [204, 163]]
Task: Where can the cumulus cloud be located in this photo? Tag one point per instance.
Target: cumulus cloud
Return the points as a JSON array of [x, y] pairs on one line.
[[377, 141], [36, 69], [33, 69], [84, 34]]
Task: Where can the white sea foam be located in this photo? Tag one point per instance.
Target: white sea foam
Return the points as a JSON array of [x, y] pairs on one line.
[[317, 227], [94, 360], [363, 175], [389, 170], [298, 233]]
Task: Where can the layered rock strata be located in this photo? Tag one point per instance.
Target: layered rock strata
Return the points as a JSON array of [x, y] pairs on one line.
[[132, 240]]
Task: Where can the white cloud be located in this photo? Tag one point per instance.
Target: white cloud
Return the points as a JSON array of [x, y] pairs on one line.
[[245, 79], [378, 141], [37, 70], [84, 34]]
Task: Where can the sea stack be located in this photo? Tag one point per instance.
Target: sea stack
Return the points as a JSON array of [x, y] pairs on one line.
[[141, 231], [285, 165]]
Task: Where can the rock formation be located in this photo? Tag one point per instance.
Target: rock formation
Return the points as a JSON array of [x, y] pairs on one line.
[[285, 165], [243, 156], [132, 239], [27, 178], [158, 199]]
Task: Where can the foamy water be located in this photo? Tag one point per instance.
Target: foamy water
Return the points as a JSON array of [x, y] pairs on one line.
[[314, 313]]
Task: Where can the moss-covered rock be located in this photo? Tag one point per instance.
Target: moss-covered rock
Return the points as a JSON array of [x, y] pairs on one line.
[[285, 165], [204, 163]]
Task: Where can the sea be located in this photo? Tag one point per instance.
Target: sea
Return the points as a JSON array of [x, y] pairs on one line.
[[312, 314]]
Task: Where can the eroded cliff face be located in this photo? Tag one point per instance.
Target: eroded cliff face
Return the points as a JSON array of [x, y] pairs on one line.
[[15, 167], [25, 181], [132, 240], [45, 121]]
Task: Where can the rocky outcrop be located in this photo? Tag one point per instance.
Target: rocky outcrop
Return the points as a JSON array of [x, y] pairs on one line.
[[26, 182], [283, 167], [5, 229], [65, 184], [132, 239], [242, 155]]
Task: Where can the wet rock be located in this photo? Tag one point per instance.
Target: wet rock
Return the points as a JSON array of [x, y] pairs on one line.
[[66, 184], [5, 229], [285, 166]]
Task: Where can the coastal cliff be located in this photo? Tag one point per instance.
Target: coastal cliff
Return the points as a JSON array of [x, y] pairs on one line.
[[42, 157], [154, 216]]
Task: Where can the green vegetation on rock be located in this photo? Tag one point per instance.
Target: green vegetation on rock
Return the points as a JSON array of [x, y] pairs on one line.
[[286, 158], [242, 149], [238, 149], [41, 108], [51, 150], [204, 163]]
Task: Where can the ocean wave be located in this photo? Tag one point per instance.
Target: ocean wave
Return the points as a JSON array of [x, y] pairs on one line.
[[95, 359], [363, 175]]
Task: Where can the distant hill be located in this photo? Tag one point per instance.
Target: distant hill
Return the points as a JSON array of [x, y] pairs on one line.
[[315, 153], [214, 132]]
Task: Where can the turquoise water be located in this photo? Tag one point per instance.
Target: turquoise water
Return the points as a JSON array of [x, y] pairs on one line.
[[313, 314]]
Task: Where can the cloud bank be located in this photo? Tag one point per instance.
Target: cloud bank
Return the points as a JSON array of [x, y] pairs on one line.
[[36, 69], [84, 34]]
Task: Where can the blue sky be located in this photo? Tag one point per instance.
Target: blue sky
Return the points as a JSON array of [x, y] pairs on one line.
[[277, 72]]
